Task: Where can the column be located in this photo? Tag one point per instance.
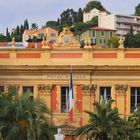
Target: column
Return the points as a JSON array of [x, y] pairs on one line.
[[121, 98], [44, 93]]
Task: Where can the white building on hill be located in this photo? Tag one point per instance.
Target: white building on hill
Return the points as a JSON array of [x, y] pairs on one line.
[[121, 23]]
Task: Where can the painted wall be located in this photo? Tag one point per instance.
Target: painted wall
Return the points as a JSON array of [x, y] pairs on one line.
[[50, 67], [97, 37]]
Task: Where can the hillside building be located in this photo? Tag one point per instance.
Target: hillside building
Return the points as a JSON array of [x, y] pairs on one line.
[[50, 33], [118, 22], [98, 35]]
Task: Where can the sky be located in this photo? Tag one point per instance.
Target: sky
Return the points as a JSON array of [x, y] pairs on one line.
[[14, 12]]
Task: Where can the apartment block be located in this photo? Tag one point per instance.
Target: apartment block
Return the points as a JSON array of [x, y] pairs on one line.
[[121, 23]]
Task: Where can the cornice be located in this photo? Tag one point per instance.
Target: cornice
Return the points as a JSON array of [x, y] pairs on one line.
[[66, 68], [67, 49]]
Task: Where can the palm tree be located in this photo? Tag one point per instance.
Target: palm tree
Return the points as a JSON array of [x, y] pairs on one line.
[[134, 121], [24, 118], [105, 123]]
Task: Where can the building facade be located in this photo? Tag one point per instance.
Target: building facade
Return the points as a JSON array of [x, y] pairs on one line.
[[98, 35], [88, 16], [50, 33], [121, 23], [114, 72]]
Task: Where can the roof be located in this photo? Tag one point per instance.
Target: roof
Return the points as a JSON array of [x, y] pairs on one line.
[[29, 32], [95, 29], [38, 31], [101, 28]]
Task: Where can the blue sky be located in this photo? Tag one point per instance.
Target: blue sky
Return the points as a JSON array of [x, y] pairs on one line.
[[13, 12]]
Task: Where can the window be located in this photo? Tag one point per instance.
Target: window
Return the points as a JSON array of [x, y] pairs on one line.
[[135, 98], [52, 34], [102, 33], [93, 33], [64, 99], [40, 35], [102, 41], [105, 92], [111, 34], [28, 89], [1, 89], [94, 40]]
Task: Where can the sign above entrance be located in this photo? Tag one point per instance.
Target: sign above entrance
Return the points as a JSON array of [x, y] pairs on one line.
[[66, 39]]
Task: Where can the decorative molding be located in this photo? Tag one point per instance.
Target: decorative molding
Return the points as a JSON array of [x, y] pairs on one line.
[[65, 68], [89, 89], [105, 55], [66, 39], [28, 55], [121, 42], [132, 55], [62, 119], [45, 42], [67, 55], [45, 89], [13, 43], [121, 89], [87, 42], [4, 55]]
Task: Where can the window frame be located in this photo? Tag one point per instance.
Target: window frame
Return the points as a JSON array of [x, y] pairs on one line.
[[32, 93], [134, 96], [64, 109], [105, 87], [102, 41], [53, 34], [93, 33], [102, 33], [2, 89], [111, 34]]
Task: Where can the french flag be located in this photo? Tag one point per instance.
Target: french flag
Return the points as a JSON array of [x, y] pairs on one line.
[[71, 98]]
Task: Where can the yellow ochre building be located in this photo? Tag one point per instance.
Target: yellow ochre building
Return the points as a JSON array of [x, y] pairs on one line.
[[96, 71]]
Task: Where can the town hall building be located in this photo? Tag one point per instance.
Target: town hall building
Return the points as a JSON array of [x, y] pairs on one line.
[[110, 72]]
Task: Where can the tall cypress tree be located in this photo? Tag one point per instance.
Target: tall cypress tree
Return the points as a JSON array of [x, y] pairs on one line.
[[80, 15], [128, 43], [131, 31], [8, 37], [21, 31], [26, 24], [18, 30], [58, 22]]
